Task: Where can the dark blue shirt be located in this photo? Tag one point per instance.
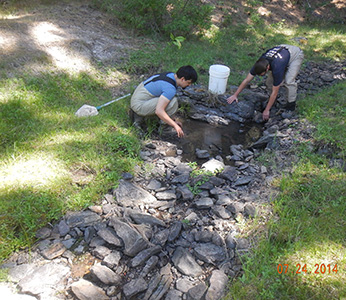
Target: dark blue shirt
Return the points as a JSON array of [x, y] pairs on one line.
[[278, 59]]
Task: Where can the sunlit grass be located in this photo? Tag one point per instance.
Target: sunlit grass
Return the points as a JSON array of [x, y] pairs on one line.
[[319, 264], [40, 171], [307, 229], [327, 111], [52, 161]]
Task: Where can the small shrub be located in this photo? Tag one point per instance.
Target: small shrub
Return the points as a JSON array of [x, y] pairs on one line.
[[179, 17]]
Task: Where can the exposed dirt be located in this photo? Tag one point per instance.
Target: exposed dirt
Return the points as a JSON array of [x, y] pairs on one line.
[[77, 37], [273, 11], [74, 37]]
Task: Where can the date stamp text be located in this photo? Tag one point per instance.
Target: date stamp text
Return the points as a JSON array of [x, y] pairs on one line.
[[303, 268]]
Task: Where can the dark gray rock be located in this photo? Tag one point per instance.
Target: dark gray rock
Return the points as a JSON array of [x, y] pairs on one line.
[[231, 241], [204, 236], [85, 290], [43, 281], [146, 219], [229, 173], [263, 141], [105, 275], [182, 179], [202, 153], [144, 255], [224, 200], [174, 231], [243, 180], [250, 210], [204, 203], [134, 287], [82, 219], [185, 262], [63, 228], [157, 288], [154, 185], [109, 235], [100, 251], [133, 241], [236, 207], [129, 195], [210, 253], [160, 238], [222, 212], [150, 265], [218, 283], [197, 292], [112, 259], [174, 295]]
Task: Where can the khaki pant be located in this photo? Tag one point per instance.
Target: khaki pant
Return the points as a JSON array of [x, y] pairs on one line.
[[293, 68], [144, 104]]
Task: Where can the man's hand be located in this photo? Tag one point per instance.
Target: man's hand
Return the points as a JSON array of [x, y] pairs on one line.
[[179, 131], [231, 99], [265, 115]]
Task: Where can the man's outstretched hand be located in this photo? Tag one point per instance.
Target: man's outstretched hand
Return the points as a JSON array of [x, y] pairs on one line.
[[232, 99], [179, 131], [265, 115]]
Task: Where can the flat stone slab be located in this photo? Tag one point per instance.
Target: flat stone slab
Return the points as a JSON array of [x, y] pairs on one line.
[[128, 195]]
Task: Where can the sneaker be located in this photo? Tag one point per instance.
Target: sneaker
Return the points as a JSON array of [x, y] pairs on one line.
[[291, 106]]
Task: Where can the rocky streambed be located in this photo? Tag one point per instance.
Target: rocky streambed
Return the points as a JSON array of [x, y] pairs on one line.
[[171, 231]]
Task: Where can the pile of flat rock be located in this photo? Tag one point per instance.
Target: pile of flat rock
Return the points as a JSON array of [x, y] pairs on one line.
[[168, 231]]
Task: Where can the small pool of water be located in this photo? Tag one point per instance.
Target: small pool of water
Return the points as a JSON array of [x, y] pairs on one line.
[[217, 139]]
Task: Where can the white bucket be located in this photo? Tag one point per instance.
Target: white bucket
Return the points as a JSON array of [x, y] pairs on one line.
[[218, 75]]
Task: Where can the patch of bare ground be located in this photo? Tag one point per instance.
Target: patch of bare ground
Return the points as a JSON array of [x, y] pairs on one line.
[[60, 37], [273, 11]]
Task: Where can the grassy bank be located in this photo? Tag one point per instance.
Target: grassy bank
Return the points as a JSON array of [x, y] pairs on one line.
[[52, 161], [301, 255]]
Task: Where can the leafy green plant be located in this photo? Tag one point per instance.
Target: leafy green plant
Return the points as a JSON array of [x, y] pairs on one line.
[[177, 40], [180, 17]]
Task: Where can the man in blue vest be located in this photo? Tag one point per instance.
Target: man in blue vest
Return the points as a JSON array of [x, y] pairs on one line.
[[282, 63], [156, 96]]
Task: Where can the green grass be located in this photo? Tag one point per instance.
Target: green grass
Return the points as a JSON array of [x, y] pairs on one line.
[[52, 161], [309, 217], [307, 230], [327, 111], [238, 47]]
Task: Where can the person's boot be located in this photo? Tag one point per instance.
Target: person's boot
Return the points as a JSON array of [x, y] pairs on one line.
[[289, 110], [136, 119], [291, 106]]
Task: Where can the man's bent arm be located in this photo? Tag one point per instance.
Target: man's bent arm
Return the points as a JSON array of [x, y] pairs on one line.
[[271, 101], [242, 86], [162, 114]]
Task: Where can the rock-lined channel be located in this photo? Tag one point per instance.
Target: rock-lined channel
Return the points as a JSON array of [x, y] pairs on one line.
[[165, 233]]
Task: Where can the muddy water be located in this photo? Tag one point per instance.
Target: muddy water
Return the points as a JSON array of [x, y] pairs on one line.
[[216, 139]]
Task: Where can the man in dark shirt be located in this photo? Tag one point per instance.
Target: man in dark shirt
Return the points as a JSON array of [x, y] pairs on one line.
[[282, 63], [156, 95]]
